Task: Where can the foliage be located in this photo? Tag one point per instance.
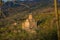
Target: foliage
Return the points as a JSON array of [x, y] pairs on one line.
[[46, 24], [45, 31]]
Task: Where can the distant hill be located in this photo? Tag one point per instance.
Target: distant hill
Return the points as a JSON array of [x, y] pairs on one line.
[[10, 7]]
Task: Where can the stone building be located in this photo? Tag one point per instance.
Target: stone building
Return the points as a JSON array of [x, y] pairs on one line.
[[29, 24]]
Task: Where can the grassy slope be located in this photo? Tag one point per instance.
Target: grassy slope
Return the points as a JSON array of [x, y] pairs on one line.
[[46, 29]]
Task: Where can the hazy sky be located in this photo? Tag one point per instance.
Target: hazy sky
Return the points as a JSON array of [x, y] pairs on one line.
[[11, 0], [6, 0]]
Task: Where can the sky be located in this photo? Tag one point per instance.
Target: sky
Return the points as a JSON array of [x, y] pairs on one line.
[[11, 0], [6, 0]]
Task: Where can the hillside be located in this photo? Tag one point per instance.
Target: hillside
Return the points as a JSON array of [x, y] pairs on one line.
[[10, 8], [13, 14]]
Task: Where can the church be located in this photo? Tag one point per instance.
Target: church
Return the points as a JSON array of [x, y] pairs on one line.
[[29, 24]]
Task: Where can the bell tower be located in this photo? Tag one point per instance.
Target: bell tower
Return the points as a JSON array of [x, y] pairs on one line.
[[30, 17]]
